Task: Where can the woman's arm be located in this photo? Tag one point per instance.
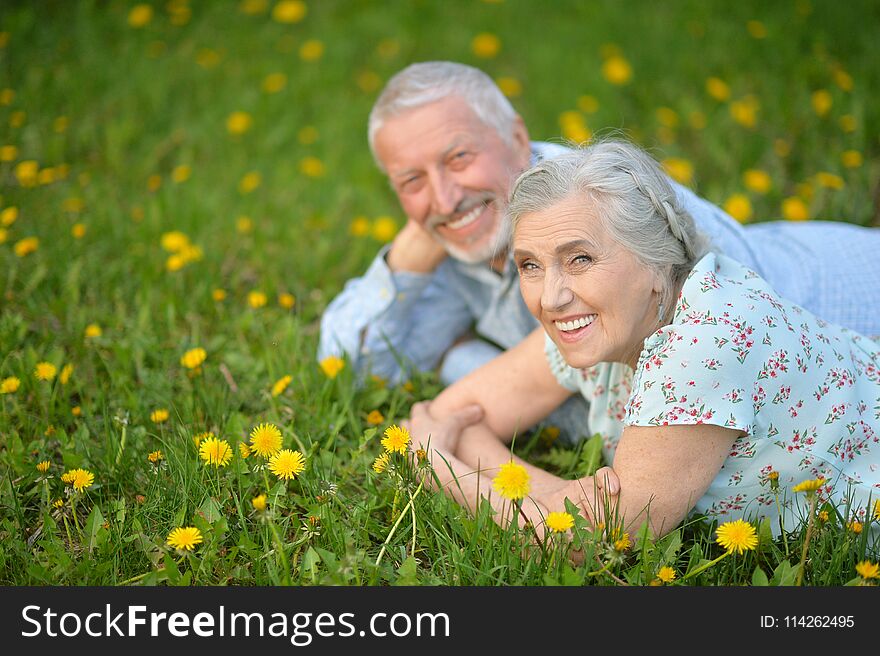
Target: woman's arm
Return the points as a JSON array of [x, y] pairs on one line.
[[663, 472], [516, 390]]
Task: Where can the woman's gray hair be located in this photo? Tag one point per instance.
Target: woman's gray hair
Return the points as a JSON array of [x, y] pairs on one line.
[[633, 198], [427, 82]]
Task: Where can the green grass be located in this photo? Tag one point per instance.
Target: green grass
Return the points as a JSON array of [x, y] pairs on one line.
[[140, 102]]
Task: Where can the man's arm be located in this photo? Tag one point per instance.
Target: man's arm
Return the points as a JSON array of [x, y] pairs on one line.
[[384, 317]]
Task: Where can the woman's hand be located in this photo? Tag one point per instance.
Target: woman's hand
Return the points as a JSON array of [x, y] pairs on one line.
[[587, 493], [441, 434]]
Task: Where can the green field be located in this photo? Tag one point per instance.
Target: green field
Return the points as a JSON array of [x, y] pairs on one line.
[[183, 175]]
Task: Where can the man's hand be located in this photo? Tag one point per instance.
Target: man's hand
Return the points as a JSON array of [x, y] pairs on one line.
[[415, 250], [443, 434]]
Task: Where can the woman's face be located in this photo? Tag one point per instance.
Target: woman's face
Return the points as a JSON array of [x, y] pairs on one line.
[[595, 300]]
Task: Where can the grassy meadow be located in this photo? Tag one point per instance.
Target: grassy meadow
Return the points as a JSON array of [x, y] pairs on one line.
[[185, 185]]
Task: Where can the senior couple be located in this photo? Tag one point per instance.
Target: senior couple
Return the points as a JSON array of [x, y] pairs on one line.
[[586, 288]]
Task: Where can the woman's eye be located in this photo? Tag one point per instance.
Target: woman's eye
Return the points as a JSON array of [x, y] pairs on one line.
[[581, 259]]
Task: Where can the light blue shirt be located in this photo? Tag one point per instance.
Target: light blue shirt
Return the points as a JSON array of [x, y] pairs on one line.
[[390, 322]]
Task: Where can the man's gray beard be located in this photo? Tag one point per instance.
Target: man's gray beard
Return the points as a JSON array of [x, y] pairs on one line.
[[497, 245]]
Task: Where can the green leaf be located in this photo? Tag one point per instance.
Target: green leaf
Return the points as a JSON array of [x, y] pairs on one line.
[[785, 574], [171, 570], [759, 578], [765, 535], [407, 573], [210, 510], [670, 550], [94, 524], [591, 456]]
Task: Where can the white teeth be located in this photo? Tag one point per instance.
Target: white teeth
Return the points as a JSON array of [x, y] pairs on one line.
[[577, 323], [466, 220]]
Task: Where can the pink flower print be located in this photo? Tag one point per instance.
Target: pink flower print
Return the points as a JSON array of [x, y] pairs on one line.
[[837, 411], [735, 395], [711, 364], [793, 410], [759, 397], [783, 394]]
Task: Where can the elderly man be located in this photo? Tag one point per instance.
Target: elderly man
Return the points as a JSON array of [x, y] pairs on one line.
[[445, 293]]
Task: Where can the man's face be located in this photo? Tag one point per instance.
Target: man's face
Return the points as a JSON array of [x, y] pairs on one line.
[[451, 173]]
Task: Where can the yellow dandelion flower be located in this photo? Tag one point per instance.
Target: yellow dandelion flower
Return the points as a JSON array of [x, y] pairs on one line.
[[843, 79], [140, 15], [175, 262], [200, 437], [822, 515], [510, 86], [274, 82], [289, 11], [93, 330], [795, 209], [219, 295], [757, 29], [855, 526], [312, 167], [359, 226], [848, 123], [26, 172], [249, 182], [155, 456], [244, 450], [851, 159], [877, 510], [8, 153], [26, 246], [622, 543], [238, 122], [259, 502], [666, 574], [829, 180], [253, 7], [287, 464], [68, 477], [81, 479], [181, 173], [380, 464], [821, 101], [311, 50], [66, 372], [512, 481], [7, 95], [8, 216], [559, 522], [717, 89], [281, 384], [375, 418], [215, 452], [757, 180], [73, 204], [396, 439], [193, 358], [287, 301], [737, 536], [745, 111], [3, 235], [739, 207], [58, 503], [184, 538], [16, 120], [78, 230], [256, 299], [265, 440], [43, 466], [9, 385], [76, 411], [680, 170], [50, 430], [486, 45], [868, 570], [159, 415], [174, 241], [384, 229], [617, 70], [44, 371], [332, 365], [667, 117], [809, 486]]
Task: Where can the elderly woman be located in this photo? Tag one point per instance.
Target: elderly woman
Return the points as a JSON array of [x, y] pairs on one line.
[[704, 384]]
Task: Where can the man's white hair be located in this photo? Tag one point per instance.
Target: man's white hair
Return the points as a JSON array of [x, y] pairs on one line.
[[426, 82]]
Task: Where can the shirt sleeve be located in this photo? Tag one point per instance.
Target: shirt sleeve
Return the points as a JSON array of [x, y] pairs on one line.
[[704, 370], [388, 322]]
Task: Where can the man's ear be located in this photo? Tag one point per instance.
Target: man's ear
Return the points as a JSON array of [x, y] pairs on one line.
[[521, 142]]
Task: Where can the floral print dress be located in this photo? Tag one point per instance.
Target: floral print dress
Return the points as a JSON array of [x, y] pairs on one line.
[[804, 393]]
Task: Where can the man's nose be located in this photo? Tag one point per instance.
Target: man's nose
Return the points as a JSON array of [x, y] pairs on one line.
[[556, 293], [446, 193]]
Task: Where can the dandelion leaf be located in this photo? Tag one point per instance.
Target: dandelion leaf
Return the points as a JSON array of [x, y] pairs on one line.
[[759, 578], [591, 456], [407, 573], [94, 525]]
